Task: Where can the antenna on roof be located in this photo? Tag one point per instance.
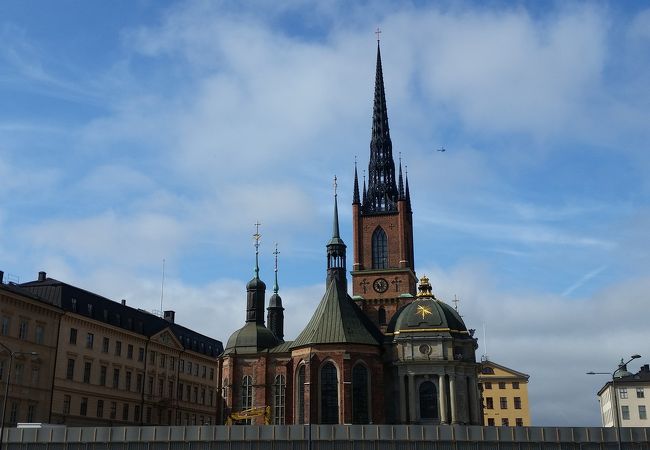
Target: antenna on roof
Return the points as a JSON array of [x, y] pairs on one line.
[[162, 286], [485, 353]]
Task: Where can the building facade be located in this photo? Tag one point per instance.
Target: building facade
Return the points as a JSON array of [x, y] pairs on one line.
[[505, 395], [632, 399], [103, 363]]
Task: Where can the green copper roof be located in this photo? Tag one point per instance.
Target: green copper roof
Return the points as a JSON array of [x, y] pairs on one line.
[[338, 320], [251, 338]]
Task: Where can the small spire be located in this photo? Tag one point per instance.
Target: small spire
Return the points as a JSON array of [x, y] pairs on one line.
[[335, 228], [408, 194], [276, 253], [355, 194], [257, 237], [400, 182], [365, 195]]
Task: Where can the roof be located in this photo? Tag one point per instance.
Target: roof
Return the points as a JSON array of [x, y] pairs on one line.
[[492, 365], [76, 300], [338, 320], [251, 338]]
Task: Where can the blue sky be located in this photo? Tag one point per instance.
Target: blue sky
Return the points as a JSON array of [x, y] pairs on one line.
[[136, 131]]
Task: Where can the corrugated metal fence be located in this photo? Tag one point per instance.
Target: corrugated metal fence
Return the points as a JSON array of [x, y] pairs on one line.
[[326, 437]]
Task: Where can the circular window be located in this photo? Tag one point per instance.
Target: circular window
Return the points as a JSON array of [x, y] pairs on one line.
[[425, 349]]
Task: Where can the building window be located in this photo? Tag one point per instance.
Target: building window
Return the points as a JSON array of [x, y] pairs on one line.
[[2, 369], [113, 410], [118, 348], [490, 421], [189, 367], [73, 304], [502, 385], [279, 394], [360, 401], [13, 413], [69, 373], [195, 397], [148, 414], [35, 375], [22, 329], [519, 422], [73, 336], [100, 408], [622, 392], [246, 392], [162, 361], [83, 406], [203, 396], [40, 334], [141, 354], [30, 413], [212, 373], [116, 378], [179, 391], [170, 389], [428, 401], [640, 393], [150, 390], [19, 373], [102, 375], [66, 404], [105, 345], [504, 422], [642, 413], [300, 394], [136, 413], [381, 315], [625, 412], [515, 384], [503, 403], [140, 379], [127, 381], [204, 371], [517, 402], [129, 351], [161, 387], [489, 403], [6, 321], [487, 385], [90, 339], [181, 365], [87, 368], [125, 411], [329, 395], [379, 249], [196, 370], [152, 358]]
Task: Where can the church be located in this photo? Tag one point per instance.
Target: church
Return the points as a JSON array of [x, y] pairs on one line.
[[392, 353]]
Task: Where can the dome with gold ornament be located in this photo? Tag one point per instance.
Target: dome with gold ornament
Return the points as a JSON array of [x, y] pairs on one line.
[[427, 314]]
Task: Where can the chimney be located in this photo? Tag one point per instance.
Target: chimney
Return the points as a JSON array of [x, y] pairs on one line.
[[2, 275], [170, 316], [123, 302], [42, 276]]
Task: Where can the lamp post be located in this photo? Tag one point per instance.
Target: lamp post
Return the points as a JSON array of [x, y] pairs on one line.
[[616, 416], [12, 354]]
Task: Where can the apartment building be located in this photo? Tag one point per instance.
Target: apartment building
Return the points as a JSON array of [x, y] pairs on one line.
[[505, 395], [111, 364], [632, 398], [28, 330]]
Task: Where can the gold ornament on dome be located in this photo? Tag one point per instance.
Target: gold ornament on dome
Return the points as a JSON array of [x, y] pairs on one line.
[[424, 289], [424, 311]]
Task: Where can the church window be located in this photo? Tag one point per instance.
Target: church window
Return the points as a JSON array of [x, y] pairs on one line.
[[247, 393], [329, 395], [360, 395], [382, 315], [279, 393], [300, 394], [379, 249], [428, 401]]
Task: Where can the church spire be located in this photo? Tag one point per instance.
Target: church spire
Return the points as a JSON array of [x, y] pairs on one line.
[[275, 311], [355, 194], [255, 289], [382, 190], [365, 194], [408, 194], [400, 182], [336, 248]]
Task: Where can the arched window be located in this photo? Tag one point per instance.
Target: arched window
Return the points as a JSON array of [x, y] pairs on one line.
[[329, 395], [379, 249], [360, 395], [381, 315], [428, 401], [246, 392], [279, 393], [300, 395]]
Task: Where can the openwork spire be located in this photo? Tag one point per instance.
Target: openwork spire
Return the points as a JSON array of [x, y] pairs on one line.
[[400, 182], [382, 189]]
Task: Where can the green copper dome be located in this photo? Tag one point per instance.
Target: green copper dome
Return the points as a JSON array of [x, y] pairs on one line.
[[251, 338], [425, 314]]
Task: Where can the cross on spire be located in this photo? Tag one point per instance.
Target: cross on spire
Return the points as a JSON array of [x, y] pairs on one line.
[[257, 236], [455, 302], [377, 32], [335, 186], [276, 253]]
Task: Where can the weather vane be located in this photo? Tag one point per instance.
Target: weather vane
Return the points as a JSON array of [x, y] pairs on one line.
[[257, 237], [335, 186], [276, 253]]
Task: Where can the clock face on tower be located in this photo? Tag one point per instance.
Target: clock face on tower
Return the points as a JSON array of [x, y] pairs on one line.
[[380, 285]]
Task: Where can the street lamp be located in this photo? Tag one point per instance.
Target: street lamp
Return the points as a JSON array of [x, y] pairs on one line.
[[12, 354]]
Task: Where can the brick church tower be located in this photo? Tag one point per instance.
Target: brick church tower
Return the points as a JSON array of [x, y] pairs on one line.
[[383, 274]]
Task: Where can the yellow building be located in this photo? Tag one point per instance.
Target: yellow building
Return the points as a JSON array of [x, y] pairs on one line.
[[505, 396]]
